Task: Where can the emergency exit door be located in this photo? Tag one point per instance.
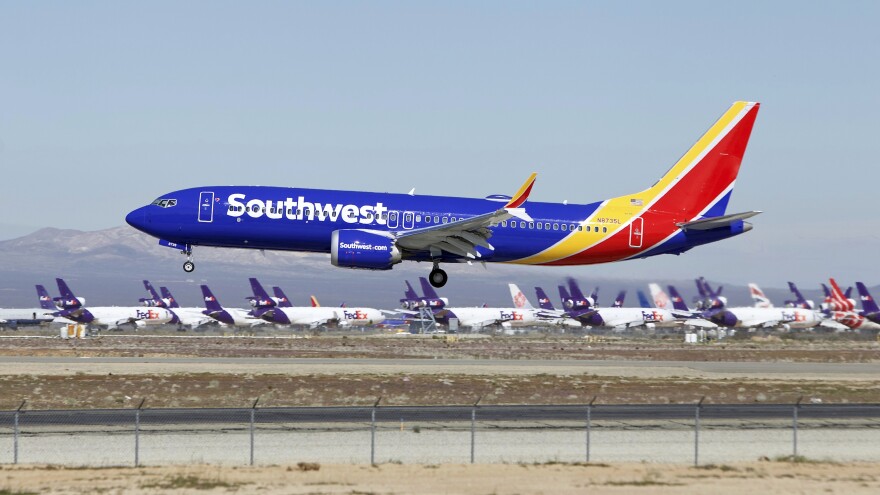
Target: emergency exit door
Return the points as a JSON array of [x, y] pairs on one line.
[[206, 206]]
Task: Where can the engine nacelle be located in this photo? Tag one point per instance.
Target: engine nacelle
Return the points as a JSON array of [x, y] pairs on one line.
[[366, 249]]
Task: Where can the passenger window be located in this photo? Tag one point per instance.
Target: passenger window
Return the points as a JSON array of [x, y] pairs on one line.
[[564, 227], [418, 218], [436, 219], [522, 225], [547, 225], [580, 228], [445, 220], [513, 224], [604, 229], [596, 228], [531, 225], [504, 223]]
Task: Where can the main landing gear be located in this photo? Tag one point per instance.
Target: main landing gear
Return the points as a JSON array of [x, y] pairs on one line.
[[188, 266], [437, 277]]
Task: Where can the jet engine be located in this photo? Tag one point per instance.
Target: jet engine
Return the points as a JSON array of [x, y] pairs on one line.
[[366, 249]]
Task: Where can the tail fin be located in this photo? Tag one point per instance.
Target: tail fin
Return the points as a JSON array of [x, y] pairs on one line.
[[45, 299], [410, 293], [153, 299], [262, 299], [519, 299], [575, 289], [761, 301], [543, 301], [283, 301], [565, 297], [68, 299], [677, 301], [618, 302], [848, 293], [800, 301], [700, 183], [314, 301], [594, 296], [168, 298], [841, 300], [868, 302], [211, 302], [643, 299], [428, 289], [661, 300]]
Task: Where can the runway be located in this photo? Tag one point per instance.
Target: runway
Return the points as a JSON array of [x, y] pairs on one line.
[[63, 365]]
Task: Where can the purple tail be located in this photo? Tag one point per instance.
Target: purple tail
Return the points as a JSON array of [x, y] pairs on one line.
[[166, 296], [211, 302], [618, 302], [869, 305], [575, 290], [543, 300], [428, 289], [45, 299], [848, 293], [283, 301], [261, 298], [68, 300], [677, 301], [799, 301], [153, 300], [825, 291], [643, 300], [410, 294]]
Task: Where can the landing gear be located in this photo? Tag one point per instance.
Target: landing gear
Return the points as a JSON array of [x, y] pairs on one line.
[[188, 266], [437, 277]]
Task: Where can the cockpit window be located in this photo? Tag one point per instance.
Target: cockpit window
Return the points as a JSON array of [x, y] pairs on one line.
[[165, 203]]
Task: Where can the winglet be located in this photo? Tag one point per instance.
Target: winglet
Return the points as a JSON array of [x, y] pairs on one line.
[[522, 195]]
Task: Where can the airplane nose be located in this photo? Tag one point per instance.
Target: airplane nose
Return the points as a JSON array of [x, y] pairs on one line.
[[137, 218]]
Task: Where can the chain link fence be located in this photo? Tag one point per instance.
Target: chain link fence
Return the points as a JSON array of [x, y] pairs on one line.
[[679, 433]]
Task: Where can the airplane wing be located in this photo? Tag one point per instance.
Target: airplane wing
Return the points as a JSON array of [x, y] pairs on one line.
[[699, 323], [834, 325], [462, 237]]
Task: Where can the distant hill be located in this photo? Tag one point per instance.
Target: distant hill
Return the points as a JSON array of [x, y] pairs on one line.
[[107, 266]]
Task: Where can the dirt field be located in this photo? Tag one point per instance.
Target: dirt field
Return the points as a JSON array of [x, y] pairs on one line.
[[87, 384], [559, 479]]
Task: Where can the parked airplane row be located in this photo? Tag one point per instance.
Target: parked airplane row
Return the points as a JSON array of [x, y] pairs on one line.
[[575, 309]]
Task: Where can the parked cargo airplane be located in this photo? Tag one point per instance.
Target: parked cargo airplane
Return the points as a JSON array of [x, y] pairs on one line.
[[269, 309], [683, 209], [190, 317], [73, 308]]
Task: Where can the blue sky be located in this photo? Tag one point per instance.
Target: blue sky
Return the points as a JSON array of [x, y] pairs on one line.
[[106, 105]]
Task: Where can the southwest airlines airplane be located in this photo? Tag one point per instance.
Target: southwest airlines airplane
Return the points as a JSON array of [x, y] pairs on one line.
[[683, 209]]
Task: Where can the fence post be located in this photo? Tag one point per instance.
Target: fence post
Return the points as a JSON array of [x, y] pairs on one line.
[[474, 425], [253, 410], [137, 432], [697, 431], [15, 433], [794, 424], [589, 425], [373, 432]]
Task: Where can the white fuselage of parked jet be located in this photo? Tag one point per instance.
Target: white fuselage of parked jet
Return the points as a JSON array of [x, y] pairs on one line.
[[749, 317], [115, 316], [323, 315]]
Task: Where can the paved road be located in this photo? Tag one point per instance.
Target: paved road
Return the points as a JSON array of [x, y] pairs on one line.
[[532, 414], [782, 370]]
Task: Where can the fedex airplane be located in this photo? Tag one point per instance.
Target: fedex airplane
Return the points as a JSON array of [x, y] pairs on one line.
[[542, 317], [840, 308], [618, 317], [73, 308], [267, 308], [870, 310], [190, 317], [753, 316], [474, 318], [227, 316], [685, 208]]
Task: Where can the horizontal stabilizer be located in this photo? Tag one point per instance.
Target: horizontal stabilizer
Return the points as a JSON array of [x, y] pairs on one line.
[[716, 222]]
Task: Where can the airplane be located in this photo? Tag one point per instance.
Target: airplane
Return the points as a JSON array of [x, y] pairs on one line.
[[281, 299], [685, 208], [751, 317], [620, 317], [267, 308], [643, 299], [190, 317], [14, 318], [840, 308], [73, 308], [521, 302], [228, 316], [474, 318], [618, 301]]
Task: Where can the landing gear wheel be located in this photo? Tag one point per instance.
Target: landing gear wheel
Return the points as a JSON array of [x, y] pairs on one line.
[[189, 266], [437, 277]]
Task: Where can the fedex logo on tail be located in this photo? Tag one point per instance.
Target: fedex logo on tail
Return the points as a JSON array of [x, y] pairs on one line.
[[300, 209]]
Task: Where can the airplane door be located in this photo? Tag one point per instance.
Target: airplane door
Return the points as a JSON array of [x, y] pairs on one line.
[[206, 206], [408, 219], [636, 232], [392, 220]]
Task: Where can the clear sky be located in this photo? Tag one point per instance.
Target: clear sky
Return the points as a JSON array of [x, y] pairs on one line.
[[106, 105]]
